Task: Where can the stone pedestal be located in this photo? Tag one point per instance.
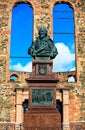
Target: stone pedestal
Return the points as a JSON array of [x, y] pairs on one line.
[[42, 113], [42, 121]]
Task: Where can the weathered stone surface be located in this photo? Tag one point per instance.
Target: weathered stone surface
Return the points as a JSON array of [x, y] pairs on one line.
[[6, 94], [77, 126], [43, 16], [7, 126]]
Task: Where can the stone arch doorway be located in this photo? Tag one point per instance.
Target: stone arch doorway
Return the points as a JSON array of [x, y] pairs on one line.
[[59, 106], [25, 105], [62, 104]]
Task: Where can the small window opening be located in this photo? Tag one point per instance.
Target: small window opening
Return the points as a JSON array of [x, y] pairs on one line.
[[13, 78], [71, 79]]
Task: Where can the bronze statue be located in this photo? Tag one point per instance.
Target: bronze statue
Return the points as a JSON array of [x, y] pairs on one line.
[[43, 47]]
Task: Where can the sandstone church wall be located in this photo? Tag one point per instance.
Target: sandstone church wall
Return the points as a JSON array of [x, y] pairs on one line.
[[42, 16]]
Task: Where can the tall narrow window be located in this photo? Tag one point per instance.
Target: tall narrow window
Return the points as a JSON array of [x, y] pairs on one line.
[[21, 37], [63, 36]]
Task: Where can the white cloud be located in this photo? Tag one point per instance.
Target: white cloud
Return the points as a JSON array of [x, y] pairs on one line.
[[71, 79], [64, 59], [19, 67], [72, 69]]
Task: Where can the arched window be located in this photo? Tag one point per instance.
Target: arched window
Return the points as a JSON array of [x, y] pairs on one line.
[[21, 37], [63, 36], [71, 78], [14, 78]]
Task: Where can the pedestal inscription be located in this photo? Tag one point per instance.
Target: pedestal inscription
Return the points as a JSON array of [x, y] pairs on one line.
[[42, 97]]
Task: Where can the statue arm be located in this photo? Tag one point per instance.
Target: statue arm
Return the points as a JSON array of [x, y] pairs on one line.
[[41, 48], [54, 51], [31, 50]]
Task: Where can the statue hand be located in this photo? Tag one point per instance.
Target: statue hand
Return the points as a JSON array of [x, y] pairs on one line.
[[34, 53], [51, 55]]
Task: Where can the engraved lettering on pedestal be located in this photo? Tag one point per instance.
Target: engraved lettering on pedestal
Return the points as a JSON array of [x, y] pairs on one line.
[[42, 97]]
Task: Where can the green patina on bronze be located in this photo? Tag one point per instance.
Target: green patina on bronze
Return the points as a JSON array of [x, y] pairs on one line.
[[42, 97], [43, 47]]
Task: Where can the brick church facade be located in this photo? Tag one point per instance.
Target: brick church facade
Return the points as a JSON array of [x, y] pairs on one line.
[[13, 94]]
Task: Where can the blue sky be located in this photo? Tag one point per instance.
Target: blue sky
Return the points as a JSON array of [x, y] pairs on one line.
[[21, 38]]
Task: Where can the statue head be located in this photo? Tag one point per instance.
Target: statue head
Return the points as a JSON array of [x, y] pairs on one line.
[[42, 32]]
